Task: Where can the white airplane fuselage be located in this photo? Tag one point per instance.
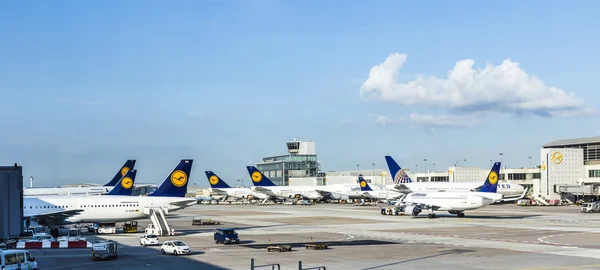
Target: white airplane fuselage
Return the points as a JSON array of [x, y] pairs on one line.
[[507, 189], [100, 209], [453, 201], [65, 191], [240, 193], [308, 192]]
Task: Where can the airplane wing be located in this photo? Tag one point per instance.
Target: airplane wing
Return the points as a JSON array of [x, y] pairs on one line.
[[516, 198], [402, 188], [184, 202], [57, 215], [264, 190], [423, 206], [323, 192], [219, 191]]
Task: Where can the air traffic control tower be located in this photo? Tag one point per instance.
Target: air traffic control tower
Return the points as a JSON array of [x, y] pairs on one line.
[[301, 161]]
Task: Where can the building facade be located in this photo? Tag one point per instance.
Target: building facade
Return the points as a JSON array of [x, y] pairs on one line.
[[300, 162]]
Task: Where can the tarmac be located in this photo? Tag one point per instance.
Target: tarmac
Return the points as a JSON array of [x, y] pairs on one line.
[[359, 237]]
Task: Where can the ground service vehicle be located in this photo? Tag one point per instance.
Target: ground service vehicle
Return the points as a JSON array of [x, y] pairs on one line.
[[130, 227], [17, 259], [175, 247], [104, 250], [149, 240], [226, 236]]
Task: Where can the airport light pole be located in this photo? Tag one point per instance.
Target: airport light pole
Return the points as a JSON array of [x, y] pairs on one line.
[[529, 162], [434, 167], [357, 170], [500, 156], [373, 172], [426, 174]]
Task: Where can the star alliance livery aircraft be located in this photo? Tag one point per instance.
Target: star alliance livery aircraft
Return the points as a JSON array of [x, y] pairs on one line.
[[169, 196], [403, 183], [264, 185], [453, 202]]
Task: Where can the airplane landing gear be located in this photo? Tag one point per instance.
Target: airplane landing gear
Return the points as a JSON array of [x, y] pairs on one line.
[[431, 215], [460, 214]]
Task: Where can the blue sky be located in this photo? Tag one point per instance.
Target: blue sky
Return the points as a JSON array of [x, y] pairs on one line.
[[89, 84]]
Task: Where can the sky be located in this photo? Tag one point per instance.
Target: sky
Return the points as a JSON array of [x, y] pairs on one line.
[[86, 85]]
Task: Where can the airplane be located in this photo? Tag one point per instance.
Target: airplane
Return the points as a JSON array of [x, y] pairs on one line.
[[403, 183], [385, 194], [455, 202], [170, 196], [264, 185], [219, 187], [83, 190]]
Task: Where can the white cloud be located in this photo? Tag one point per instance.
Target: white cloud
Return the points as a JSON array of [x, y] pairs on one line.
[[383, 120], [502, 88], [444, 120]]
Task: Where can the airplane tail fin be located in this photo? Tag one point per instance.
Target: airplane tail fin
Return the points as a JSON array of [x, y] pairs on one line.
[[396, 172], [364, 186], [491, 182], [215, 181], [258, 178], [121, 173], [176, 183], [125, 186]]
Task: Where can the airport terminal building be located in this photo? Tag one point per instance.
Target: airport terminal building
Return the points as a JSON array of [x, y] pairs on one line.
[[567, 169]]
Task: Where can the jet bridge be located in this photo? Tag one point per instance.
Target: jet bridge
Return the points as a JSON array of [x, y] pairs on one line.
[[159, 221]]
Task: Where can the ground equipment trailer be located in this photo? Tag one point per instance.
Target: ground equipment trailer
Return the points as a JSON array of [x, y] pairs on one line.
[[104, 250], [199, 221]]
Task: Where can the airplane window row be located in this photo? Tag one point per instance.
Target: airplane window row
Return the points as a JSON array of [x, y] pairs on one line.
[[64, 207], [46, 206], [112, 205]]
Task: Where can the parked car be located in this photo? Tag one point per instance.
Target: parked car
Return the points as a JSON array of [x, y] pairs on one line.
[[226, 236], [175, 247], [41, 237], [149, 240]]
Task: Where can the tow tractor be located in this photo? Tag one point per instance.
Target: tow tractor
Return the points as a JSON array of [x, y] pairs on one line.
[[392, 211], [315, 246], [199, 221], [280, 248]]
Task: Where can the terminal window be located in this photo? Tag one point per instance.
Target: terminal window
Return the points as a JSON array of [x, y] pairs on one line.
[[593, 173]]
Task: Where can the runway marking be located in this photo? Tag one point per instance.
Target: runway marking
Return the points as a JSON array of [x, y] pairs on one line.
[[544, 239], [563, 267]]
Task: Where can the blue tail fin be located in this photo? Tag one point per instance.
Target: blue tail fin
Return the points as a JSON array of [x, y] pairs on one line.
[[258, 178], [215, 181], [491, 182], [399, 175], [125, 186], [126, 167], [176, 183], [364, 186]]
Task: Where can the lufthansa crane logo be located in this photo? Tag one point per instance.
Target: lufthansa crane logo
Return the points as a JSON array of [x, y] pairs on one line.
[[178, 178], [256, 177], [363, 184], [493, 177], [124, 170], [126, 183], [213, 180], [557, 157]]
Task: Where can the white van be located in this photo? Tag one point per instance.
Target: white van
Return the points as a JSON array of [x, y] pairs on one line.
[[17, 259]]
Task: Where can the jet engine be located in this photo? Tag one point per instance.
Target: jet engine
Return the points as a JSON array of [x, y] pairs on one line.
[[339, 196], [413, 209]]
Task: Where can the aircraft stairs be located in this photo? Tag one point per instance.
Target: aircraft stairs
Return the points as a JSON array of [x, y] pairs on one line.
[[159, 221], [540, 200]]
